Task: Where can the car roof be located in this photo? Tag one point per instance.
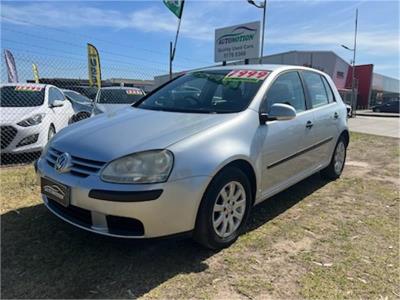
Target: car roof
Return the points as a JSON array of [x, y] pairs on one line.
[[120, 88], [24, 84], [269, 67]]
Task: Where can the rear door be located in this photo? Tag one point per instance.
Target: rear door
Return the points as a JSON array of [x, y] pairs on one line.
[[326, 117], [283, 159]]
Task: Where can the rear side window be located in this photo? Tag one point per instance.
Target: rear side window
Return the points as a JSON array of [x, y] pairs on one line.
[[316, 89], [287, 89], [331, 97]]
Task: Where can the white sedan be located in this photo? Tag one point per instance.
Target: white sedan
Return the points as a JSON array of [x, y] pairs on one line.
[[30, 115]]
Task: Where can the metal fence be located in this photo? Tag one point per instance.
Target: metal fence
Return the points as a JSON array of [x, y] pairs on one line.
[[31, 113]]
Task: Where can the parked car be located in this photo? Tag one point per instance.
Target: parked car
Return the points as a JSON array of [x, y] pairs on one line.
[[82, 105], [391, 106], [111, 98], [87, 91], [197, 164], [30, 115]]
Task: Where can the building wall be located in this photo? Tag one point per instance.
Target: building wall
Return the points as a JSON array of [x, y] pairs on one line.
[[363, 75]]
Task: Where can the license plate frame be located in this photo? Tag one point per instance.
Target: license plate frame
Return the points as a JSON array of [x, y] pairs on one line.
[[55, 191]]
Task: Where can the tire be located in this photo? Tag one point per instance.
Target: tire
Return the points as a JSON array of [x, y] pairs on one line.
[[209, 229], [51, 133], [377, 110], [335, 168]]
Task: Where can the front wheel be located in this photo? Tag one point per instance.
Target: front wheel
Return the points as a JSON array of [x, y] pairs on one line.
[[335, 168], [224, 209]]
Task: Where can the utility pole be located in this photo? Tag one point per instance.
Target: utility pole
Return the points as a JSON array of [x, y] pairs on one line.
[[353, 78], [262, 5], [353, 83]]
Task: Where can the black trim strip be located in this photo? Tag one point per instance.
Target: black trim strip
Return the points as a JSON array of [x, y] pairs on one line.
[[123, 196], [300, 153]]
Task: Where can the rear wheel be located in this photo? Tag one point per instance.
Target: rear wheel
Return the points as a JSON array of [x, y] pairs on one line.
[[224, 209], [335, 168]]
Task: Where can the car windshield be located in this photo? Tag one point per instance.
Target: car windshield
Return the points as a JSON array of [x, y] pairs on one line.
[[21, 96], [76, 97], [119, 96], [223, 91]]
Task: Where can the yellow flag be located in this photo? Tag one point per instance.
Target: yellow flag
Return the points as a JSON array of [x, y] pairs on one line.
[[94, 66], [35, 73]]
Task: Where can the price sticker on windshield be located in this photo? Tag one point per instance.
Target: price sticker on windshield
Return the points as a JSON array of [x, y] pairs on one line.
[[134, 92], [28, 88], [247, 75]]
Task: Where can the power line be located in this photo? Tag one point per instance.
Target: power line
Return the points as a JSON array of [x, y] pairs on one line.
[[71, 53], [80, 47], [96, 38]]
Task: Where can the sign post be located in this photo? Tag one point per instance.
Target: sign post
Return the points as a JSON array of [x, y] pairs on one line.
[[238, 42]]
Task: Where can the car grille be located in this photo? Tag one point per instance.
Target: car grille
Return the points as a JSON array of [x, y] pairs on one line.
[[8, 133], [81, 167]]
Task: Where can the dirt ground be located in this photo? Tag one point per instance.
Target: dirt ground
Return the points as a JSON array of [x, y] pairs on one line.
[[318, 239]]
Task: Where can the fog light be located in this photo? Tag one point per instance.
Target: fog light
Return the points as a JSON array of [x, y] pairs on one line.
[[28, 140]]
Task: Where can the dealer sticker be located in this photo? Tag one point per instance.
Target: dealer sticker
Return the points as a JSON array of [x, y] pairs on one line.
[[28, 88], [134, 92], [247, 75]]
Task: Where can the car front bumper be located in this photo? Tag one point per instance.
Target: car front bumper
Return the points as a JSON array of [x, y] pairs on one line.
[[131, 210], [16, 134]]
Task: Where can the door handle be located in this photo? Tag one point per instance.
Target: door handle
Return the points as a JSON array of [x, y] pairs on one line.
[[336, 115], [309, 124]]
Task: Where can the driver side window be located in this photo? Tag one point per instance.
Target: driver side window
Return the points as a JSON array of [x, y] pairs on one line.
[[286, 89]]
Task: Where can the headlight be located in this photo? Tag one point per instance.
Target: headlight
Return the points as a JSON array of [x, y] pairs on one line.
[[142, 167], [34, 120]]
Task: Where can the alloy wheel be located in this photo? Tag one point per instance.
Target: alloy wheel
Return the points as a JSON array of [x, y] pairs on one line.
[[339, 157], [229, 209]]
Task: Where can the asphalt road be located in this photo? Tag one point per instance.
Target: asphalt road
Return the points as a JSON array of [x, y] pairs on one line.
[[376, 125]]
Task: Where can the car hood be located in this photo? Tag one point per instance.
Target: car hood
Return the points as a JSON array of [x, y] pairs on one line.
[[112, 135], [12, 115], [110, 107]]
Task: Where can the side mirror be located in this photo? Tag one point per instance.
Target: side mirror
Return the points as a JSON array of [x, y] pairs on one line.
[[57, 103], [278, 112]]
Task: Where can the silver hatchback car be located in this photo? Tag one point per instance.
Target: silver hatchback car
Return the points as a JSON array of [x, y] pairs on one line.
[[196, 154]]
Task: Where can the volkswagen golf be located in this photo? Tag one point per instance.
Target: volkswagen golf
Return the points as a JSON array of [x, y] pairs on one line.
[[196, 163]]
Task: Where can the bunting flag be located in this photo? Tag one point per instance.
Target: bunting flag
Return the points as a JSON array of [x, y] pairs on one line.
[[175, 6], [35, 73], [11, 67], [94, 66]]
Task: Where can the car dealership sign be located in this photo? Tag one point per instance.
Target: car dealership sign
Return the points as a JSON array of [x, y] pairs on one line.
[[237, 42]]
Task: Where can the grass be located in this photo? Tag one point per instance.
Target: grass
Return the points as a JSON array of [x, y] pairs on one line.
[[316, 240]]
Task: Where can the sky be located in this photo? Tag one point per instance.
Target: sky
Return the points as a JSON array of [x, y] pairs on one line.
[[133, 36]]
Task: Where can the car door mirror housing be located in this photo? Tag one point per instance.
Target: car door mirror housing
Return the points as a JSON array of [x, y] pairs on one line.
[[278, 112], [57, 103]]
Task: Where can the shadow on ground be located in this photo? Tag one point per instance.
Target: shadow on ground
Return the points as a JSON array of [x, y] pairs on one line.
[[43, 257]]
